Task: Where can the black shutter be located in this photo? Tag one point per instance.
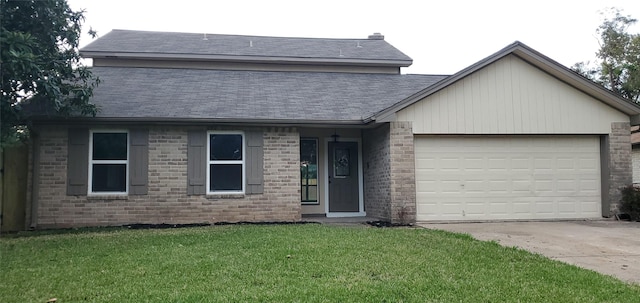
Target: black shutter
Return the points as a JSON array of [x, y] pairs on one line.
[[255, 162], [196, 163], [77, 161], [139, 162]]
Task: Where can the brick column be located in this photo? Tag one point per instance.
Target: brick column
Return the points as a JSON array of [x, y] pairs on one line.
[[375, 152], [402, 173], [620, 168]]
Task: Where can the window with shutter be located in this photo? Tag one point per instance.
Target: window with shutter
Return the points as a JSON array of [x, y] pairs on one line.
[[108, 162], [225, 162]]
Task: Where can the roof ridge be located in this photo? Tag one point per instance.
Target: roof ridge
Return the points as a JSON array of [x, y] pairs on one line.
[[238, 35]]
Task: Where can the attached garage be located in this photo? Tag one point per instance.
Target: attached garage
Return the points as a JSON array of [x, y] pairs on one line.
[[507, 177], [516, 136]]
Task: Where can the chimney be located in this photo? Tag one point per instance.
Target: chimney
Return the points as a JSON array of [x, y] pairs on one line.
[[376, 36]]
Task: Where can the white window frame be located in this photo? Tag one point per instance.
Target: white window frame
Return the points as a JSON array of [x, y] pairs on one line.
[[210, 162], [92, 162]]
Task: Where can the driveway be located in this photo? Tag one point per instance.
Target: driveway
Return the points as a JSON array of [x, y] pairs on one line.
[[608, 247]]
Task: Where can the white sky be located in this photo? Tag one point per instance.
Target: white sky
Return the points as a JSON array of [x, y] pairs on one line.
[[442, 37]]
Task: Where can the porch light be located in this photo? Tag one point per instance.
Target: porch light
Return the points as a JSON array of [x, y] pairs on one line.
[[335, 136]]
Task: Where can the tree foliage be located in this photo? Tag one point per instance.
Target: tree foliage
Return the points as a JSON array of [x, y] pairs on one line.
[[618, 59], [40, 61]]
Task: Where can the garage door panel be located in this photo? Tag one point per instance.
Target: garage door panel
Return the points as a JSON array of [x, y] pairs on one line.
[[473, 164], [589, 186], [521, 208], [499, 186], [565, 163], [493, 178], [520, 163]]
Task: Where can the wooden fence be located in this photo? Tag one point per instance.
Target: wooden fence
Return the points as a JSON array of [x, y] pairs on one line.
[[13, 187]]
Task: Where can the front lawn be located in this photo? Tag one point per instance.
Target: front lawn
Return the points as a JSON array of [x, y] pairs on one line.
[[287, 263]]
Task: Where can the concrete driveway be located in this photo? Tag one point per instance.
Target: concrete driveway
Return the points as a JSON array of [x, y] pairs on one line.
[[608, 247]]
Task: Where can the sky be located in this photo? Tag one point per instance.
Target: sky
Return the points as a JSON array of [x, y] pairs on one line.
[[442, 37]]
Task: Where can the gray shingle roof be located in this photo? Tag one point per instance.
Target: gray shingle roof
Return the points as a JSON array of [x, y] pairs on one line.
[[146, 43], [162, 94]]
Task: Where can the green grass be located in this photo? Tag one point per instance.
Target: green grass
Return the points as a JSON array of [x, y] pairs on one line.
[[288, 263]]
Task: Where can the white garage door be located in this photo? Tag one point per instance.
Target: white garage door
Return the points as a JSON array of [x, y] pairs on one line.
[[507, 177]]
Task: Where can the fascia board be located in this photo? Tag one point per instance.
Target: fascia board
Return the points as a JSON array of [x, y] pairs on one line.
[[181, 121], [252, 59]]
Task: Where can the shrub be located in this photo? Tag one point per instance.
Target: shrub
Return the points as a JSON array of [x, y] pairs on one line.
[[630, 202]]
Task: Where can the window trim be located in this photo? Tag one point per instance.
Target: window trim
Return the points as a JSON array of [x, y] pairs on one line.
[[210, 162], [317, 201], [90, 191]]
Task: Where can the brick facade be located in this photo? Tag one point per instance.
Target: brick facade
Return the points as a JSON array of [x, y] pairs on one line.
[[388, 166], [620, 167], [167, 200], [377, 172], [403, 178], [389, 175], [635, 161]]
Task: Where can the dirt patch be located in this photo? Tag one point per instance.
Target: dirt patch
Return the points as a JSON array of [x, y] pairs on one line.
[[387, 224], [164, 226]]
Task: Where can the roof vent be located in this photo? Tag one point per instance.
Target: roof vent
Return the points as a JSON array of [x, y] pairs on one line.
[[376, 36]]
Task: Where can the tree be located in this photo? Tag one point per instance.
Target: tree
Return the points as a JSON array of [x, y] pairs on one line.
[[40, 62], [618, 59]]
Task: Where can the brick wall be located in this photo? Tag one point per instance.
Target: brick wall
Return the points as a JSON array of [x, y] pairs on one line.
[[376, 161], [167, 200], [620, 167], [403, 181], [389, 174], [635, 162]]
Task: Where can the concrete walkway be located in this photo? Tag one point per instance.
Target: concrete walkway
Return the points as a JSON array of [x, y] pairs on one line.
[[608, 247]]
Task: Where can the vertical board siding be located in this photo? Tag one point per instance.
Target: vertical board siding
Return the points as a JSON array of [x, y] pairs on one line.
[[510, 97]]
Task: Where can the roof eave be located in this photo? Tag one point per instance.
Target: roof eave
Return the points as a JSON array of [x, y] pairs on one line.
[[250, 59], [196, 121]]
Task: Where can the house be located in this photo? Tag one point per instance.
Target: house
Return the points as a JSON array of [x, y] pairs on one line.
[[210, 128]]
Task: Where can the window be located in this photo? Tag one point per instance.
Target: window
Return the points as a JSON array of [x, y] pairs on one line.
[[225, 162], [108, 162], [309, 170], [341, 166]]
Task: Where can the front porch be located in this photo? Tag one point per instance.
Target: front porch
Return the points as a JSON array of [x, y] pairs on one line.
[[362, 173]]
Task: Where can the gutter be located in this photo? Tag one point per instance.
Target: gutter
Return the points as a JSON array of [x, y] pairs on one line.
[[200, 121], [248, 59]]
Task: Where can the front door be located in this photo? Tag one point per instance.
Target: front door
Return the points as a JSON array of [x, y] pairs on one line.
[[343, 177]]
